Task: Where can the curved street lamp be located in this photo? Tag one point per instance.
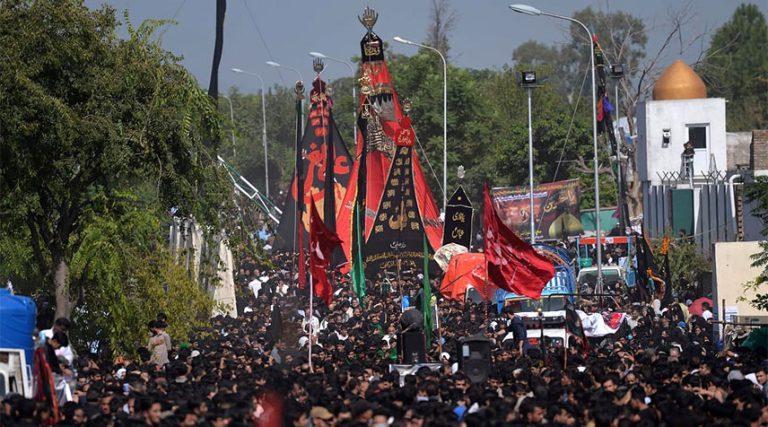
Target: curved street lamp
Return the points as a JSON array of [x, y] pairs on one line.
[[276, 65], [530, 10], [445, 113], [263, 126]]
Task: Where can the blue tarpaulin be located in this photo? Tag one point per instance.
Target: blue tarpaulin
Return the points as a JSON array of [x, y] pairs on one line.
[[17, 322]]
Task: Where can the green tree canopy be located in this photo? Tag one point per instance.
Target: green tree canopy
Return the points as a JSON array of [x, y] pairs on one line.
[[736, 68], [85, 115]]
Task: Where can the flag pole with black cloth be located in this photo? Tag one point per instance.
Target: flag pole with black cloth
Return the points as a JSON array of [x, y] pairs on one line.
[[605, 125], [298, 232], [358, 217], [666, 291], [574, 328], [426, 297], [646, 268]]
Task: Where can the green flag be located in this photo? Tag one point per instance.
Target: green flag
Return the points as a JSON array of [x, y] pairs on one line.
[[426, 296], [358, 271]]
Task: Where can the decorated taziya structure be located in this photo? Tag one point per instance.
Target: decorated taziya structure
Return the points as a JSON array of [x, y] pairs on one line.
[[321, 145], [388, 206]]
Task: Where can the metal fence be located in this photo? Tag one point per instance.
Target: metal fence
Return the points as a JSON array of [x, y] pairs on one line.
[[713, 209]]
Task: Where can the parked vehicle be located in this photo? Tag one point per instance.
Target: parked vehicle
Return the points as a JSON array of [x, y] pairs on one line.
[[17, 324], [624, 270], [545, 318], [15, 373]]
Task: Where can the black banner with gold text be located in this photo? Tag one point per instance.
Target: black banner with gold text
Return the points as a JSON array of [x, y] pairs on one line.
[[396, 241], [458, 219]]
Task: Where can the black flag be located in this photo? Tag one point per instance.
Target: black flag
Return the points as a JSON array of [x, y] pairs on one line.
[[666, 297], [458, 219], [574, 328]]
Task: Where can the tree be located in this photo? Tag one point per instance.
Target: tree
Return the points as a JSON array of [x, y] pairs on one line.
[[281, 137], [561, 137], [85, 115], [132, 276], [736, 68], [685, 263], [420, 79], [757, 192], [622, 38], [443, 20]]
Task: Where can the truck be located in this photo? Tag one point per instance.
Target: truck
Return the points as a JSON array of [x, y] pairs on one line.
[[15, 373], [612, 274], [17, 323], [545, 318]]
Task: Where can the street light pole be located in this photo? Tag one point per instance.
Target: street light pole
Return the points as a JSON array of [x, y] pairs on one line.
[[301, 79], [530, 10], [354, 92], [263, 126], [445, 114], [530, 166], [232, 121]]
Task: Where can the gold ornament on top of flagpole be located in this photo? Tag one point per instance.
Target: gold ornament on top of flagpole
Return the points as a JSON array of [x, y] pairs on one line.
[[318, 65], [299, 90], [369, 18], [407, 106]]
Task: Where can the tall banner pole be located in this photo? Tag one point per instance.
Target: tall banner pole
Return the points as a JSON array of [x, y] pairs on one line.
[[311, 325], [298, 228]]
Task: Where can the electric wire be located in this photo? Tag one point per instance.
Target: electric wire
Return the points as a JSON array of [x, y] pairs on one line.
[[565, 144], [263, 41]]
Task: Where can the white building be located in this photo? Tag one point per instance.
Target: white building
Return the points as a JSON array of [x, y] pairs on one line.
[[680, 112], [685, 192]]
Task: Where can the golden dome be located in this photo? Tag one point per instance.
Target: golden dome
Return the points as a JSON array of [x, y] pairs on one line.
[[679, 81]]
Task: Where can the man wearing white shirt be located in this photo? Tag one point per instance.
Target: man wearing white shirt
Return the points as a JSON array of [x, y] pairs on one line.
[[61, 324], [706, 311], [255, 286]]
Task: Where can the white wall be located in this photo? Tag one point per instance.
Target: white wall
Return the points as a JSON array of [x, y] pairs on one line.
[[675, 115], [186, 235], [733, 268]]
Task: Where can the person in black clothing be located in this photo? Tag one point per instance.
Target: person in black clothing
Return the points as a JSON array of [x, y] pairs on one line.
[[516, 325], [26, 414], [59, 339], [72, 415]]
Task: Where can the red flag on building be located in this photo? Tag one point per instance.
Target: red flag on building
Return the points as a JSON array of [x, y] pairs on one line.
[[512, 264], [322, 242]]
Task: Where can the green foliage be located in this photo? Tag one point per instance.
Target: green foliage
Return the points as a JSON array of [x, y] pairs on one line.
[[757, 192], [685, 262], [248, 157], [487, 129], [85, 114], [131, 277], [736, 68], [621, 35]]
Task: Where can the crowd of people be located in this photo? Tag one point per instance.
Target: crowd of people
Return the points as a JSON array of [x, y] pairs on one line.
[[666, 368]]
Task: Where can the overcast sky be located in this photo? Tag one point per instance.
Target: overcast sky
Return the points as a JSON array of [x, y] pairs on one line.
[[485, 36]]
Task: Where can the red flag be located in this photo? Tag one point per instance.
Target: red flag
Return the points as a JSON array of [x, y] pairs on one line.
[[322, 242], [512, 263]]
